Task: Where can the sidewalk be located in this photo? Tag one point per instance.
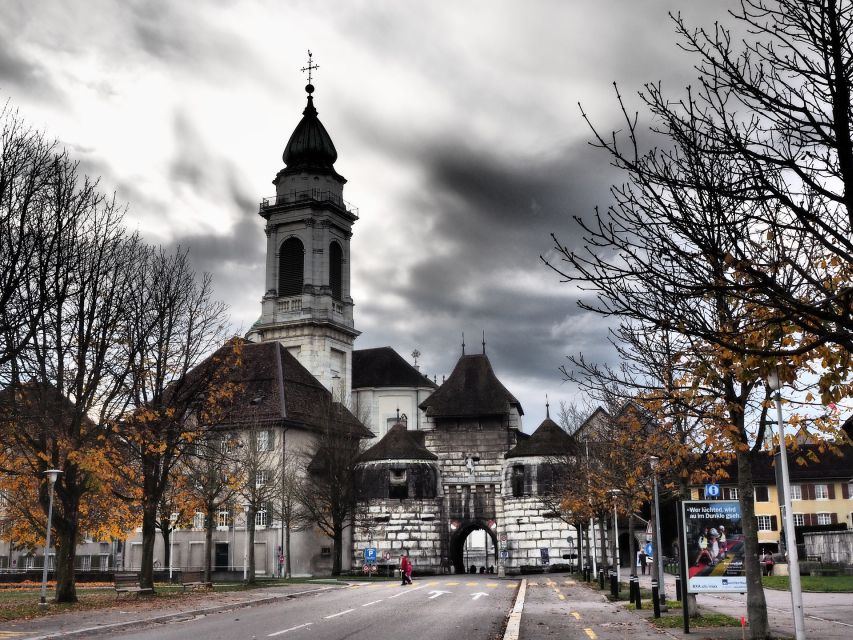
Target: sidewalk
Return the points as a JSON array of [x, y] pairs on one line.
[[133, 610]]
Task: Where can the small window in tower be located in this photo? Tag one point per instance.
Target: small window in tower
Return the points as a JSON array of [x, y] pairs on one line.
[[336, 271], [398, 486], [517, 481], [291, 265]]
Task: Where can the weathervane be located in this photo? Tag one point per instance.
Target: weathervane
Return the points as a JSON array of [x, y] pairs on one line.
[[311, 66]]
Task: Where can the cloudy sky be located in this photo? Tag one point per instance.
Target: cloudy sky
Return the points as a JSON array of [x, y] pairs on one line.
[[457, 126]]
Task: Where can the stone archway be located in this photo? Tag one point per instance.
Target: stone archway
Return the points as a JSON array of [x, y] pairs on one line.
[[457, 544]]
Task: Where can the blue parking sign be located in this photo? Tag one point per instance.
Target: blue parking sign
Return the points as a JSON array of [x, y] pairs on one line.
[[370, 554]]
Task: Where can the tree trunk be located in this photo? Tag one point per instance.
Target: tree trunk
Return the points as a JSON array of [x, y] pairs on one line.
[[149, 535], [632, 545], [208, 544], [337, 550], [287, 570], [250, 532], [756, 605], [601, 534], [66, 554]]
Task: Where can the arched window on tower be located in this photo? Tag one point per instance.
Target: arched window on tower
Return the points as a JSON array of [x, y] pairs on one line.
[[291, 266], [336, 271]]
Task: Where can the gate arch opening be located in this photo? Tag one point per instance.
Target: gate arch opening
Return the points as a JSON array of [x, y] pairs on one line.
[[483, 553]]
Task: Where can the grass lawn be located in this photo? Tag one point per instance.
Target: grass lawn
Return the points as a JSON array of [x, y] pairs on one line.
[[705, 620], [22, 603], [818, 584]]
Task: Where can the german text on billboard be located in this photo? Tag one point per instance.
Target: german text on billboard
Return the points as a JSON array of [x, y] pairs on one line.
[[715, 547]]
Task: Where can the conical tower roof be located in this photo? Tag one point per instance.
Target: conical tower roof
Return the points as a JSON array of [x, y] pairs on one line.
[[399, 444], [472, 390], [548, 440]]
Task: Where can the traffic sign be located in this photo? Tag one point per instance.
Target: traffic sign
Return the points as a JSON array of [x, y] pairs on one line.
[[370, 554], [650, 550], [712, 490]]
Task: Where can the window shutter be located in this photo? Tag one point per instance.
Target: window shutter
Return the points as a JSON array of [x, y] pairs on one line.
[[755, 522], [807, 491], [845, 490], [761, 494], [291, 267], [830, 487], [833, 518], [727, 493], [774, 524], [810, 519]]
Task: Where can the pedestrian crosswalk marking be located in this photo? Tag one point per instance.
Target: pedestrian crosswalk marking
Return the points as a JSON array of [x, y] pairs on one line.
[[590, 633]]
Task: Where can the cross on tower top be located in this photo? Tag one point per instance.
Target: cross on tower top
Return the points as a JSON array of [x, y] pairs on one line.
[[310, 68]]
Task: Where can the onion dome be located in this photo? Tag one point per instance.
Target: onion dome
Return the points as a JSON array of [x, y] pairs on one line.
[[310, 145]]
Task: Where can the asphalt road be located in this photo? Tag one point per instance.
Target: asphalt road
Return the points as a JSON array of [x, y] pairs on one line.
[[449, 607]]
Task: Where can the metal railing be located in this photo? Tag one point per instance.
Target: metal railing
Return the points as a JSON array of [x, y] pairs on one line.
[[309, 195]]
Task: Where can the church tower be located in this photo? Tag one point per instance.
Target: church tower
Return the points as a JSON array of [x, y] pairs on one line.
[[307, 306]]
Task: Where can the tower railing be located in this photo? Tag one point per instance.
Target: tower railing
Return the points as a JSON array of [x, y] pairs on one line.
[[309, 195]]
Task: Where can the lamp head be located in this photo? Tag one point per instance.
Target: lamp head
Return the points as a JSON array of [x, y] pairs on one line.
[[653, 462], [52, 475], [773, 380]]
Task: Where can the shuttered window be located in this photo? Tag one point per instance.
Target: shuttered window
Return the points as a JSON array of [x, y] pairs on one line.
[[336, 271], [291, 265]]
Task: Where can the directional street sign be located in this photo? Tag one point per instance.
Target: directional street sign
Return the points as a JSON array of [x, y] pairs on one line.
[[479, 595], [650, 550]]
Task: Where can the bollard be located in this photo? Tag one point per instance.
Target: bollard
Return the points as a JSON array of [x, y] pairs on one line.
[[678, 588], [614, 586], [601, 578], [635, 592], [656, 598]]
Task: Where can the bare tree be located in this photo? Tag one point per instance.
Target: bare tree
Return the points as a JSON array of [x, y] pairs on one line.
[[178, 387], [289, 510], [260, 484]]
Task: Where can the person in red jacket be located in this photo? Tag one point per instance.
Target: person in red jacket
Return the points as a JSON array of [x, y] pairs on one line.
[[405, 570]]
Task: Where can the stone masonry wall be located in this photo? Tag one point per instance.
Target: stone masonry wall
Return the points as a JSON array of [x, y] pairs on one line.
[[529, 529]]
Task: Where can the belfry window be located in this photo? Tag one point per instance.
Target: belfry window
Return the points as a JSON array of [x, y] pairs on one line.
[[291, 265], [336, 271], [517, 481]]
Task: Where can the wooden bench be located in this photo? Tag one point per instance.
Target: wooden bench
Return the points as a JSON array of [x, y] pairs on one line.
[[129, 583], [194, 579]]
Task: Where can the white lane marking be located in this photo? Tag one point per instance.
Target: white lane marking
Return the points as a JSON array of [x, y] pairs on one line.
[[479, 595], [370, 603], [402, 593], [513, 626], [435, 594], [335, 615], [278, 633]]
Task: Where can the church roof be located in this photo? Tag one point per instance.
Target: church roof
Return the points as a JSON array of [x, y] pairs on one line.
[[310, 146], [472, 390], [548, 440], [384, 367], [275, 389], [399, 444]]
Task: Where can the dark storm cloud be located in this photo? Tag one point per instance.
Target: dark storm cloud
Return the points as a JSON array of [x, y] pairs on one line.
[[23, 76]]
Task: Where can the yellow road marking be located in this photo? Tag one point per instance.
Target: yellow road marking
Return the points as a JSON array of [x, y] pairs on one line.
[[576, 615], [432, 582], [470, 584], [375, 586], [562, 597], [452, 584], [11, 634], [492, 585], [590, 633], [513, 586], [570, 583], [532, 584]]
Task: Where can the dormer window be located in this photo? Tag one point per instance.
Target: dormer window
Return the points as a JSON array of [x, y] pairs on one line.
[[398, 485]]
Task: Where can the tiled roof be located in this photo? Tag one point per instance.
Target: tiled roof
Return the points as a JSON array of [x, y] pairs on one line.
[[472, 390], [276, 389], [399, 444], [384, 367], [548, 440], [806, 463]]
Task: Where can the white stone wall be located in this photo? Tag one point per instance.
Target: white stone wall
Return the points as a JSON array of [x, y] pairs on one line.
[[394, 525], [832, 546], [528, 530]]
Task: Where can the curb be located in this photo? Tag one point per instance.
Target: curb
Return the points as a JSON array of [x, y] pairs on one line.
[[513, 625], [118, 626]]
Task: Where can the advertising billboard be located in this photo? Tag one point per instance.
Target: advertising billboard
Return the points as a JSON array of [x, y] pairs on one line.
[[714, 545]]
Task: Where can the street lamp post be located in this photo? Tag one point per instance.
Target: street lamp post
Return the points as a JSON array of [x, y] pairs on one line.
[[614, 493], [775, 384], [52, 475], [245, 541], [173, 518], [656, 537]]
